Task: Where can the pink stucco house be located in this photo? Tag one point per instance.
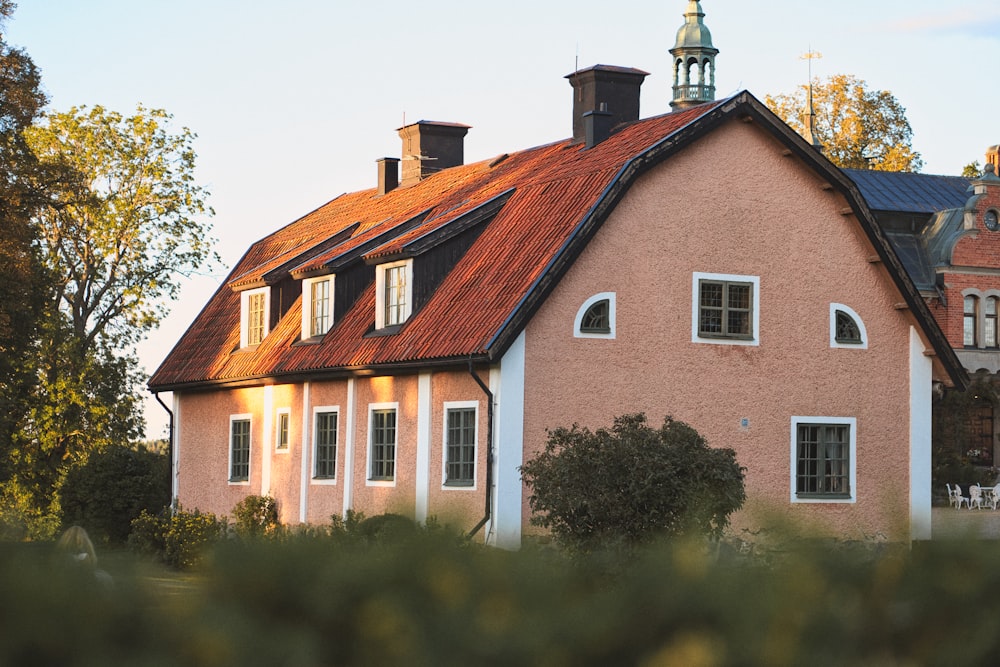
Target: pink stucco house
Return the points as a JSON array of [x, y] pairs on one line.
[[405, 348]]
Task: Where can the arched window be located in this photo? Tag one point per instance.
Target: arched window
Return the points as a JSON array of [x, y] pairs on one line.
[[990, 323], [846, 328], [969, 320], [596, 317]]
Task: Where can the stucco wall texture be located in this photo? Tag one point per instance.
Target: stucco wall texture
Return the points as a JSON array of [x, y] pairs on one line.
[[734, 204], [203, 438]]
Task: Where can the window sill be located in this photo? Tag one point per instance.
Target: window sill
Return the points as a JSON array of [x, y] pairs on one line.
[[314, 340], [459, 485], [384, 331]]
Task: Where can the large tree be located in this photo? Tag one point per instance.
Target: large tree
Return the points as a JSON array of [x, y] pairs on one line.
[[858, 128], [115, 240]]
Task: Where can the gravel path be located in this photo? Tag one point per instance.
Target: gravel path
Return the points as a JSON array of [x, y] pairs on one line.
[[951, 523]]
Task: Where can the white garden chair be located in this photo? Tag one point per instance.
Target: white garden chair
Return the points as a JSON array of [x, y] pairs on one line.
[[975, 497], [955, 496]]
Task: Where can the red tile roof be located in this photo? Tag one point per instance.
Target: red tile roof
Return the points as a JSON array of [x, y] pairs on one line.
[[556, 193]]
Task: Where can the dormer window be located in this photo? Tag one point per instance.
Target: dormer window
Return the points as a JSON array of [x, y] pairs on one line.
[[254, 324], [394, 293], [317, 306]]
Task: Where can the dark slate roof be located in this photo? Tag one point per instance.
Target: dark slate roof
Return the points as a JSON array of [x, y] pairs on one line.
[[906, 192]]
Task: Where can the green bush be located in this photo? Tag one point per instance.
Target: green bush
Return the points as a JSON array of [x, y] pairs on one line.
[[179, 539], [256, 516], [420, 600], [620, 488], [112, 488]]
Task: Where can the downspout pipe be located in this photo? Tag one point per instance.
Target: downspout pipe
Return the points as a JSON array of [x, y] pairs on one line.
[[170, 443], [489, 452]]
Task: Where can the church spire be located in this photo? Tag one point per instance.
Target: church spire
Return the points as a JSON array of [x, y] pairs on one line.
[[694, 60], [810, 124]]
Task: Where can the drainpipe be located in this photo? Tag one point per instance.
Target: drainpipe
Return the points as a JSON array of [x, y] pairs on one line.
[[170, 444], [489, 451]]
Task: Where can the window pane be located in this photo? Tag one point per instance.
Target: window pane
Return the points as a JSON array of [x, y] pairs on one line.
[[847, 329], [255, 319], [240, 450], [320, 304], [282, 436], [823, 460], [461, 448], [395, 295], [597, 319], [326, 444], [383, 455], [969, 321], [726, 309]]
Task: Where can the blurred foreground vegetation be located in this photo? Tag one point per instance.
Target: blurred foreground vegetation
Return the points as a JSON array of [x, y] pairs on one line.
[[398, 596]]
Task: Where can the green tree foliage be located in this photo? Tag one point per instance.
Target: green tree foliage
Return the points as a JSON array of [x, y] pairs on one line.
[[120, 240], [115, 241], [112, 488], [859, 128], [22, 279], [972, 170], [626, 486]]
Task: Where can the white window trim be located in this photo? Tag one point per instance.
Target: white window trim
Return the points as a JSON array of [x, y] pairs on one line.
[[578, 321], [277, 430], [458, 405], [863, 345], [324, 481], [372, 407], [307, 304], [380, 291], [245, 313], [695, 308], [847, 421], [229, 447]]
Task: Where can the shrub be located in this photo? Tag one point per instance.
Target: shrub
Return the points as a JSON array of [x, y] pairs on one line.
[[626, 486], [256, 516], [179, 538], [112, 488]]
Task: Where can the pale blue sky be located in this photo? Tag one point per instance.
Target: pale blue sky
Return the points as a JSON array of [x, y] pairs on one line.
[[294, 101]]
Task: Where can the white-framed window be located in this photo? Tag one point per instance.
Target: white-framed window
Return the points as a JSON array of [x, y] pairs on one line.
[[459, 449], [393, 293], [596, 317], [979, 318], [725, 309], [847, 329], [282, 424], [325, 436], [239, 448], [382, 434], [317, 306], [255, 304], [824, 459]]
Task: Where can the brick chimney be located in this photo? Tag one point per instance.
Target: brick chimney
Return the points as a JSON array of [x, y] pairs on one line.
[[605, 88], [429, 147], [388, 174]]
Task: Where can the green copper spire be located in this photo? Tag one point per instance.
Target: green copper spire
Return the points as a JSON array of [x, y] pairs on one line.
[[694, 60]]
